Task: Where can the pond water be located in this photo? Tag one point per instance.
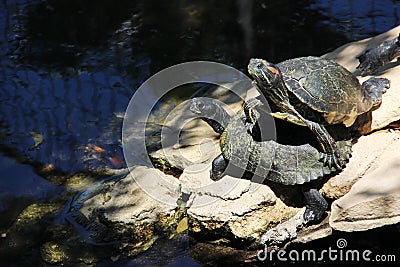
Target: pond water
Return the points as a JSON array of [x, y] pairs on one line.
[[69, 68]]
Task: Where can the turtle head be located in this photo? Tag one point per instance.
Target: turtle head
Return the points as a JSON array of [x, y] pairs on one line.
[[265, 74], [268, 79], [211, 112], [202, 107]]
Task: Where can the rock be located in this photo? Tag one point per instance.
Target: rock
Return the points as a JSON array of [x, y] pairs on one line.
[[374, 200], [231, 207], [132, 212], [346, 55], [313, 232], [366, 156], [131, 201], [285, 231]]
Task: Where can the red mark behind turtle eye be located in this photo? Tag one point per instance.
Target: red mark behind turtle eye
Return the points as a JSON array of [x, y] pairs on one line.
[[273, 70]]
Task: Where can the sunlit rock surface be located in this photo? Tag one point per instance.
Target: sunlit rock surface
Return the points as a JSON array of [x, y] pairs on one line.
[[374, 200]]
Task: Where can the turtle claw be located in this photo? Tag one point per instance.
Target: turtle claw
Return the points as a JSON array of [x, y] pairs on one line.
[[332, 161], [249, 127]]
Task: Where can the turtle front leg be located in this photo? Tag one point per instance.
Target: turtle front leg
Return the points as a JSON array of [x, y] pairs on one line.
[[316, 205], [331, 155], [252, 115], [219, 165]]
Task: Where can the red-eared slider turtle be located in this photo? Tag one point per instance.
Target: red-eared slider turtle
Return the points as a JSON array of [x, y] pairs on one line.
[[312, 91], [283, 164], [379, 56]]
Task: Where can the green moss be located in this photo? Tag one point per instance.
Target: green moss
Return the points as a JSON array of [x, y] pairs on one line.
[[53, 253], [36, 212]]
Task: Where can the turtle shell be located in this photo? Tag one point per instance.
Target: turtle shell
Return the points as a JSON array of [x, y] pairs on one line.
[[326, 87], [284, 164]]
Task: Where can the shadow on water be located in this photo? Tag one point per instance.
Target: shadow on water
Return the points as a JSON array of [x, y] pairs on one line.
[[69, 68]]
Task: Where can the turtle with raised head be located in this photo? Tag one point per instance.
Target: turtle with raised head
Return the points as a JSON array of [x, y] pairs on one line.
[[283, 164], [313, 92]]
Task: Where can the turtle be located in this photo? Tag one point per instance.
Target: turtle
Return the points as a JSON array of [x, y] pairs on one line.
[[376, 57], [313, 91], [282, 164]]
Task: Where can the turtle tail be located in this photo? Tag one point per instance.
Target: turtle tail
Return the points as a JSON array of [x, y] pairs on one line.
[[211, 112]]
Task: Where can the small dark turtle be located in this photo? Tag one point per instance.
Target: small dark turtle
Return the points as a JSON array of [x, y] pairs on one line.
[[312, 91], [283, 164], [379, 56]]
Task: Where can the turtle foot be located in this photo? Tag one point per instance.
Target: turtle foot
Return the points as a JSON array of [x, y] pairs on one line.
[[316, 205], [375, 87], [372, 59], [332, 160], [218, 167], [249, 107], [313, 215], [215, 175], [249, 127]]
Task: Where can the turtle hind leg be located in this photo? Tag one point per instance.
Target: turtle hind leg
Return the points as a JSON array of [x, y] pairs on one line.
[[316, 205], [374, 88], [219, 165]]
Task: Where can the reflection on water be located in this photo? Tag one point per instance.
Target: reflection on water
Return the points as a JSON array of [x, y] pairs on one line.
[[358, 19], [165, 252], [19, 187], [69, 68]]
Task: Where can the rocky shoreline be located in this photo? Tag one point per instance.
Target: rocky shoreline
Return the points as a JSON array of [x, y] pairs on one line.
[[364, 196]]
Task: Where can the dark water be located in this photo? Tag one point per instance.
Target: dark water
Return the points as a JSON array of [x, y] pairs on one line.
[[69, 68]]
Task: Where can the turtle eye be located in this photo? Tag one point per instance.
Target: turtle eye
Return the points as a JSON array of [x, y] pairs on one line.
[[259, 65], [200, 105]]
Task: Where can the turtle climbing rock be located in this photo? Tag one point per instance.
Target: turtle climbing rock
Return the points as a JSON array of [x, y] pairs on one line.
[[283, 164], [313, 92]]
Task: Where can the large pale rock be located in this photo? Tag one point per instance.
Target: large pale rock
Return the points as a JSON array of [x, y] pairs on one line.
[[138, 208], [231, 206], [367, 156], [346, 56], [133, 202], [374, 200], [285, 231]]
